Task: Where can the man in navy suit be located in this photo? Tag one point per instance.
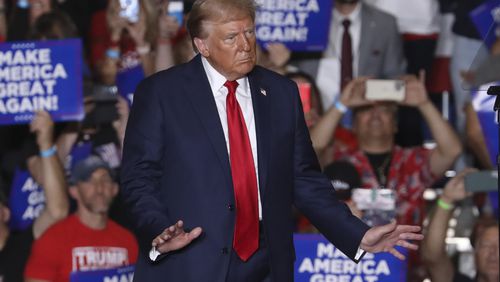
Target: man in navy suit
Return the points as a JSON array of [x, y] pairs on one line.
[[222, 145]]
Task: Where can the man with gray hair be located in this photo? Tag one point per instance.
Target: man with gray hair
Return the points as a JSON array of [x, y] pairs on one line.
[[222, 145]]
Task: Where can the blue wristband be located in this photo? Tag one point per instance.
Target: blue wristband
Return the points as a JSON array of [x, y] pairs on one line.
[[49, 152], [341, 107], [113, 54]]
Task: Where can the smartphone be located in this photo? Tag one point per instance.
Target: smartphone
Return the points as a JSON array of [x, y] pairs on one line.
[[176, 9], [385, 90], [130, 10], [481, 181], [305, 96]]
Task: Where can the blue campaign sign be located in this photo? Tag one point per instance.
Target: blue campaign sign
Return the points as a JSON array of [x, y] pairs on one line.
[[41, 75], [486, 18], [26, 200], [127, 80], [302, 25], [483, 104], [122, 274], [317, 260]]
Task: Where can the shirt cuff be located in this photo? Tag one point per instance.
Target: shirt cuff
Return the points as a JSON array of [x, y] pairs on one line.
[[359, 254], [153, 254]]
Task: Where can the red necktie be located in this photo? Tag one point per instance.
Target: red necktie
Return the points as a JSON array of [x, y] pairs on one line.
[[246, 230], [346, 60]]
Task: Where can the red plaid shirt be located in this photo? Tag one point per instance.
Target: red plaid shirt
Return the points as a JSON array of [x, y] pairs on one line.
[[409, 175]]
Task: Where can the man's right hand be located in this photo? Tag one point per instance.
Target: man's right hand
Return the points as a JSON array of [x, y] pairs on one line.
[[175, 238]]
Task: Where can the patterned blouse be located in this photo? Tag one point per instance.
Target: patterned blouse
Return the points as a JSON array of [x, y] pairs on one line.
[[409, 176]]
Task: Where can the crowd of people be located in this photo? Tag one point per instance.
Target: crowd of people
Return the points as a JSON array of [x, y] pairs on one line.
[[84, 224]]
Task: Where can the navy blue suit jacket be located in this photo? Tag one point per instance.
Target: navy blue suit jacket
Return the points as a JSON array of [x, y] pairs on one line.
[[176, 166]]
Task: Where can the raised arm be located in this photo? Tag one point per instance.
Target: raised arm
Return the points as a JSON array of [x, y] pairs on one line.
[[434, 246], [120, 124], [167, 29], [352, 96], [52, 175], [448, 144]]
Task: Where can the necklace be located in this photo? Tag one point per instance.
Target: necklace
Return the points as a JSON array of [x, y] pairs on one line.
[[381, 170]]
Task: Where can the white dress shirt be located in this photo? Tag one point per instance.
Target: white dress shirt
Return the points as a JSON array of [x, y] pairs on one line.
[[244, 97], [328, 78]]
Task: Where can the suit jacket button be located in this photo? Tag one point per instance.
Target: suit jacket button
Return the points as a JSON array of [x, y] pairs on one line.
[[224, 251], [230, 207]]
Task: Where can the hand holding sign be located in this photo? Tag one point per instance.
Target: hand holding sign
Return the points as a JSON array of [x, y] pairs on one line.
[[385, 238], [43, 126], [175, 238]]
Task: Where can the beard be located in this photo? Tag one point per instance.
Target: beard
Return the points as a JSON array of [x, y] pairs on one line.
[[98, 204]]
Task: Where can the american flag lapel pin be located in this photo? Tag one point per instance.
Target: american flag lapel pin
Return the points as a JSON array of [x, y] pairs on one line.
[[263, 92]]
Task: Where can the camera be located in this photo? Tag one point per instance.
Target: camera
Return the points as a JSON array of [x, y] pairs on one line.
[[103, 100]]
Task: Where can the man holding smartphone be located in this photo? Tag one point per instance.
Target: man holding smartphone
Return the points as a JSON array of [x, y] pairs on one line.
[[381, 163]]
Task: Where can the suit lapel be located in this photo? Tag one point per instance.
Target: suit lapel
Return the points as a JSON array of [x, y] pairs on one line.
[[202, 99], [199, 93], [260, 101]]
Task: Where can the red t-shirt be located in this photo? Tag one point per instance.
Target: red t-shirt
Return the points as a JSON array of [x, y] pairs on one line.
[[70, 246]]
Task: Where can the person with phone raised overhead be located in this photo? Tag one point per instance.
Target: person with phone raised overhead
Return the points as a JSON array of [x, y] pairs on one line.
[[381, 163], [484, 238], [122, 37]]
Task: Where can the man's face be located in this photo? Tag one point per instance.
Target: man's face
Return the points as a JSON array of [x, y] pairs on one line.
[[486, 252], [230, 46], [375, 121], [97, 193]]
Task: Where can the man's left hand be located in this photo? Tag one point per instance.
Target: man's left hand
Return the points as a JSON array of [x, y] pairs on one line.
[[416, 94], [385, 238]]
